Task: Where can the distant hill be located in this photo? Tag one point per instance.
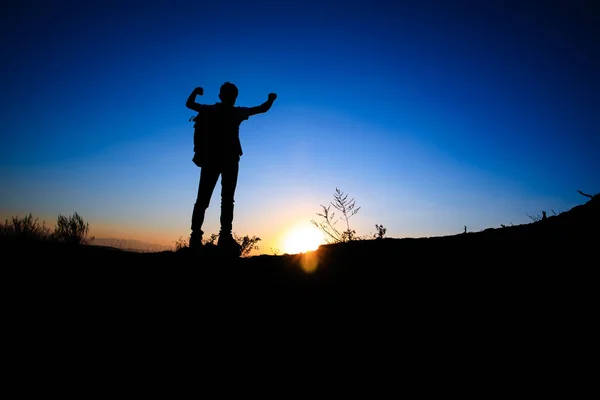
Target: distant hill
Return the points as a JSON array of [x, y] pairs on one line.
[[131, 245]]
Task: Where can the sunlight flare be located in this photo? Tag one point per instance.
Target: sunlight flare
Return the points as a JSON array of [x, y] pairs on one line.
[[309, 261], [302, 238]]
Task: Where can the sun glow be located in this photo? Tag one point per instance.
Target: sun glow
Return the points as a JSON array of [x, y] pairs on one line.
[[301, 239]]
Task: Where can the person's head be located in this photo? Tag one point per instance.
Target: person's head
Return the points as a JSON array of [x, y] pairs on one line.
[[228, 93]]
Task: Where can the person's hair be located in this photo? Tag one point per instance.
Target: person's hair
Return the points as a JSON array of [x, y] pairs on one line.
[[228, 92]]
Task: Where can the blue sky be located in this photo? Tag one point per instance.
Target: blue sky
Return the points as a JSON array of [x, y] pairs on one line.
[[432, 115]]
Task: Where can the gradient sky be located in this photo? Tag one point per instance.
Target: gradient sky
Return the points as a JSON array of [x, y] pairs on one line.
[[432, 115]]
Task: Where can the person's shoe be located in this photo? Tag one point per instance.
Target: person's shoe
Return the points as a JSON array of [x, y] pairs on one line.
[[227, 242], [196, 240]]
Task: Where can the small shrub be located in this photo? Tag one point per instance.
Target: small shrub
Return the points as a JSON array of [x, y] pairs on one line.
[[327, 225], [212, 239], [72, 229], [181, 243], [380, 231], [25, 228], [247, 244]]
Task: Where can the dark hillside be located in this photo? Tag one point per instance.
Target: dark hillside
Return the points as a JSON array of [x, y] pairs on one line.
[[493, 297], [551, 261]]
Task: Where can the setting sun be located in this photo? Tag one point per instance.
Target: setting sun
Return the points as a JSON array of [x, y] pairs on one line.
[[302, 238]]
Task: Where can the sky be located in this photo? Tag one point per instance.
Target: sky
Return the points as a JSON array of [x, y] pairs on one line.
[[432, 115]]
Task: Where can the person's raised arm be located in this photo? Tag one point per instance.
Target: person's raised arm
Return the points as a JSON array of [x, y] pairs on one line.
[[264, 107], [191, 101]]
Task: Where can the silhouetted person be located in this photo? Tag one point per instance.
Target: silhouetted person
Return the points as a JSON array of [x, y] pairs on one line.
[[220, 156]]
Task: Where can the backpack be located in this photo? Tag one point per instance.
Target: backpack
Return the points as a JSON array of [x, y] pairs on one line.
[[202, 128]]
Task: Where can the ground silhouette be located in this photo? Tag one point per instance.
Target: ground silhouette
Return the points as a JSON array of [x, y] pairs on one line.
[[499, 256], [514, 300]]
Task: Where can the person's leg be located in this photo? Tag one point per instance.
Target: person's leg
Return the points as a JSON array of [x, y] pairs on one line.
[[208, 180], [229, 177]]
